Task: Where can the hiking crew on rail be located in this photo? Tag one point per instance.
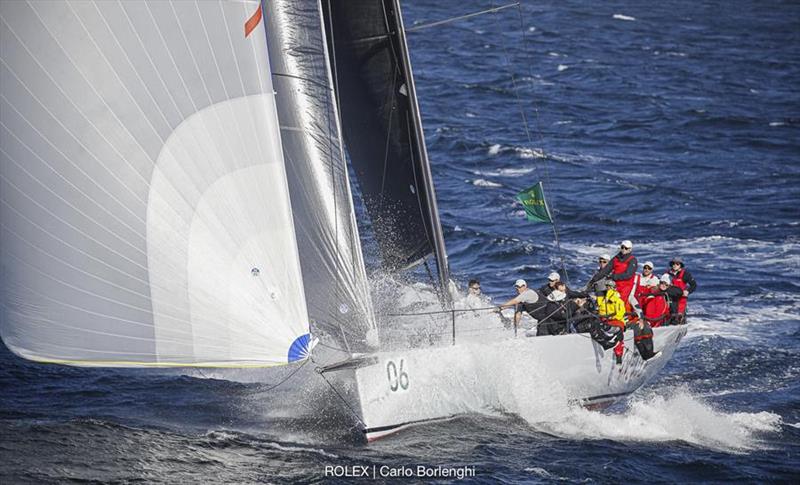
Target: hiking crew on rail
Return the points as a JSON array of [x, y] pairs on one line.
[[615, 298]]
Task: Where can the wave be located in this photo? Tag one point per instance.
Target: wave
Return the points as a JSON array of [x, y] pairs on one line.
[[619, 16], [505, 172], [485, 183], [669, 415], [661, 415]]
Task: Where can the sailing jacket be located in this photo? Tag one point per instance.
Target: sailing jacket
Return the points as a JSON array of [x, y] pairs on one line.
[[611, 307], [684, 278]]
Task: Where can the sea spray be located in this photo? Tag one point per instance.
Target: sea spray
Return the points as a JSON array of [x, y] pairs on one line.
[[668, 414]]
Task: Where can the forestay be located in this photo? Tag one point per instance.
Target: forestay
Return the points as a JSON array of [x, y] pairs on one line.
[[145, 212]]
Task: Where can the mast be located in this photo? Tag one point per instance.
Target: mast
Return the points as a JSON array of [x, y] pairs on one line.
[[422, 153]]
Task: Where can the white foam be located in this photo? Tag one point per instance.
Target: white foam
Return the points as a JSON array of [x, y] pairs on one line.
[[619, 16], [485, 183], [505, 172], [668, 415], [529, 152], [562, 67], [494, 149]]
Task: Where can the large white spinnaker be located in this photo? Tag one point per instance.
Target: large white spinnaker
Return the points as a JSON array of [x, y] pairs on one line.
[[144, 211]]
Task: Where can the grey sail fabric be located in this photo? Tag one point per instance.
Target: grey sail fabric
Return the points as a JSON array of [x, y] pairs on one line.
[[335, 281], [144, 209], [382, 130]]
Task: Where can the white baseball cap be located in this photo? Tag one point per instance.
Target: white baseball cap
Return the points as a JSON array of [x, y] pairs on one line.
[[519, 283], [665, 279], [605, 257], [648, 263], [553, 276], [627, 244]]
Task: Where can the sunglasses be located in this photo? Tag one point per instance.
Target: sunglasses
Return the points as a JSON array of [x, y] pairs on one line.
[[648, 267], [474, 287]]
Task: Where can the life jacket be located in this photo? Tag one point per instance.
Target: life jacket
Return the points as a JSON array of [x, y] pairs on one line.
[[618, 266], [611, 308], [677, 280], [655, 309], [640, 290]]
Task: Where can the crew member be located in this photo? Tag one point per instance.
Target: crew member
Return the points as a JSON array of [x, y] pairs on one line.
[[552, 279], [612, 311], [655, 305], [622, 270], [683, 280], [597, 283], [527, 300], [646, 282]]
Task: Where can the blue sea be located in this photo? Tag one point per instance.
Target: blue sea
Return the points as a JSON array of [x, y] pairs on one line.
[[673, 124]]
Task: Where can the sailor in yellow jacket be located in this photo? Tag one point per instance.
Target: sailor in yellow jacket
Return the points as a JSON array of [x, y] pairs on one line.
[[610, 306], [611, 310]]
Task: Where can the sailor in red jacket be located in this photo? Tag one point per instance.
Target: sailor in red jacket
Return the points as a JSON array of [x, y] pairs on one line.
[[683, 280], [656, 305], [622, 270]]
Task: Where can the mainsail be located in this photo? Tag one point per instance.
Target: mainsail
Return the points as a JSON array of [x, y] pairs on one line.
[[145, 214], [383, 131]]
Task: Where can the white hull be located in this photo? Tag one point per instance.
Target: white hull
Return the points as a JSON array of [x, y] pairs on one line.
[[403, 388]]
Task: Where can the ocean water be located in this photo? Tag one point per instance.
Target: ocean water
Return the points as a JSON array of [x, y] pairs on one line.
[[673, 124]]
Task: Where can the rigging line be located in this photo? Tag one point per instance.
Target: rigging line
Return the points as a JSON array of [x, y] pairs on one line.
[[282, 381], [461, 17], [541, 143], [391, 116], [335, 391], [528, 131]]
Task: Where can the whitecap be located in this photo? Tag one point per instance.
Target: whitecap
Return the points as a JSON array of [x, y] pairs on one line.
[[619, 16], [485, 183], [776, 123], [529, 152], [505, 172], [562, 67], [494, 149]]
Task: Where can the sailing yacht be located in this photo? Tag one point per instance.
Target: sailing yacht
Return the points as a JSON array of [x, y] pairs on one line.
[[175, 193]]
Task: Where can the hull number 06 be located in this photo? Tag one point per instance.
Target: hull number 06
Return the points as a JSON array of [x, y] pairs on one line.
[[398, 378]]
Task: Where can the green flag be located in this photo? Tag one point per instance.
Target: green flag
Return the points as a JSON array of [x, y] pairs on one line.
[[535, 205]]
